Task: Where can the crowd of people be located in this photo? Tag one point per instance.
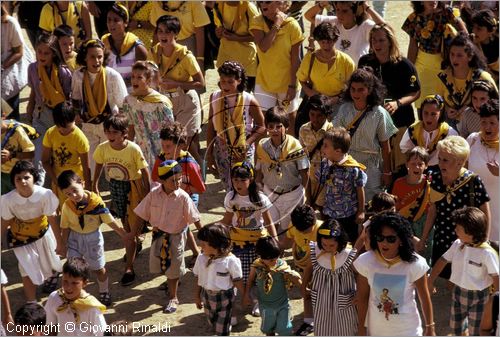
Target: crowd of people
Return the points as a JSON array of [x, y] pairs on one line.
[[378, 171]]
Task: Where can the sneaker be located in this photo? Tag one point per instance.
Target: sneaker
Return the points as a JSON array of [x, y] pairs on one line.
[[171, 306], [105, 298], [128, 278], [304, 330], [256, 310]]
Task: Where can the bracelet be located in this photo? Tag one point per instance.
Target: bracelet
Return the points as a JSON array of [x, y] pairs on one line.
[[430, 325], [276, 27], [200, 58], [398, 103], [387, 173]]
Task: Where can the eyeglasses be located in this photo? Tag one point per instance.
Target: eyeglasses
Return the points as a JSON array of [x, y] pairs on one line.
[[388, 238]]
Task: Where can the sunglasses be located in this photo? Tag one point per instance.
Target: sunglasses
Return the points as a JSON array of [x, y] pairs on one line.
[[388, 238]]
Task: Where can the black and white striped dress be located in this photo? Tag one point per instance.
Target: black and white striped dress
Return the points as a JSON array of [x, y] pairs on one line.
[[332, 293]]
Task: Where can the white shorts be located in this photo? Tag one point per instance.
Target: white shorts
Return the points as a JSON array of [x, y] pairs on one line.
[[268, 100]]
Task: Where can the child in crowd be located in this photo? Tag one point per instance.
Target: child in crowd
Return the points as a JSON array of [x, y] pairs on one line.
[[345, 179], [428, 130], [65, 147], [16, 145], [218, 272], [236, 122], [413, 194], [174, 146], [66, 43], [71, 305], [50, 84], [311, 137], [170, 224], [301, 232], [274, 277], [30, 226], [82, 214], [147, 110], [128, 175], [490, 318], [248, 216], [485, 37], [332, 281], [282, 168], [474, 269], [33, 317], [481, 92]]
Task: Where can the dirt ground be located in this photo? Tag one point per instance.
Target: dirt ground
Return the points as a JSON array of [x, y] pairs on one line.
[[143, 303]]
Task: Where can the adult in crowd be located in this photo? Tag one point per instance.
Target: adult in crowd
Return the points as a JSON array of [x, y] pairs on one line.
[[98, 10], [139, 13], [485, 29], [400, 78]]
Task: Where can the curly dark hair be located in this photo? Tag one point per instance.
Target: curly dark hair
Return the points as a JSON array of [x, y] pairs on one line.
[[268, 248], [303, 217], [403, 230], [357, 9], [24, 166], [84, 48], [217, 236], [319, 102], [489, 108], [235, 69], [376, 88], [326, 31], [174, 132], [462, 40], [335, 231], [485, 18]]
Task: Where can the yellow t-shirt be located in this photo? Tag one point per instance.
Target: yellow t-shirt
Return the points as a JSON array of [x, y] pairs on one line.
[[51, 18], [243, 52], [18, 142], [191, 14], [66, 150], [273, 71], [124, 165], [326, 81], [92, 222], [302, 239]]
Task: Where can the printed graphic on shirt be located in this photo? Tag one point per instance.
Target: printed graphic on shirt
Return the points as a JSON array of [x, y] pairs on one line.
[[345, 44], [117, 171], [62, 155], [246, 218], [390, 293]]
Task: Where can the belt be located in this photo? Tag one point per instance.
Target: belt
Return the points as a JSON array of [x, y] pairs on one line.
[[285, 192], [216, 292], [172, 94]]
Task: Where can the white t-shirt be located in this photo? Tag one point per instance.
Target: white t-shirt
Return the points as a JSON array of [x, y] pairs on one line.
[[91, 322], [355, 41], [325, 260], [392, 309], [479, 156], [220, 274], [42, 202], [471, 268], [246, 214]]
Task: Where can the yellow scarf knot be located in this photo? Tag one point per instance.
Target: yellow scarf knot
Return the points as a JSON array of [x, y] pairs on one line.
[[51, 88], [82, 303]]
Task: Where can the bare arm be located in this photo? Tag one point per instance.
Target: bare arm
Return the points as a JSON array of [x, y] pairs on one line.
[[86, 21], [374, 15], [97, 174], [311, 13], [84, 157], [227, 219], [425, 302], [487, 318], [412, 50], [47, 163], [210, 140], [295, 58], [251, 279], [363, 294], [6, 311], [360, 214], [265, 40], [141, 53], [304, 174], [200, 46], [436, 270], [31, 107], [16, 55], [197, 295], [429, 222], [268, 222], [146, 178], [258, 120], [386, 158]]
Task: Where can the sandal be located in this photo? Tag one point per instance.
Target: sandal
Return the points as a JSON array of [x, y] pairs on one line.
[[50, 284], [171, 306], [105, 298]]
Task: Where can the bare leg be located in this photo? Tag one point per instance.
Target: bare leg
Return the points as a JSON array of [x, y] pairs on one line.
[[29, 289]]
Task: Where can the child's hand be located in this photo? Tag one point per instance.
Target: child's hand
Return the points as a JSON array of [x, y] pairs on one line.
[[198, 302], [61, 250], [493, 167], [5, 156], [430, 285]]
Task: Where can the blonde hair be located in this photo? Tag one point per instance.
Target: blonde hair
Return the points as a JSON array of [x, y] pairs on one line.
[[456, 146], [394, 52]]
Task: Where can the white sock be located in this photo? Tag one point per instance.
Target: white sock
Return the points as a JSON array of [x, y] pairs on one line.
[[103, 286]]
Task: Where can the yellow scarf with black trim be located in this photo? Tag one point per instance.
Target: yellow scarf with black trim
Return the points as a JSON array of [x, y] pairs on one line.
[[154, 97], [165, 253], [82, 303], [491, 144], [94, 200], [291, 149], [387, 263], [231, 126], [416, 133], [350, 162], [129, 42], [23, 232], [464, 177], [51, 89], [265, 273], [241, 237], [96, 96], [415, 208], [167, 63]]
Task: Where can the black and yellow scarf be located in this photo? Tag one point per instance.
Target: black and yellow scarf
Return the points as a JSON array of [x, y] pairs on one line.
[[50, 88], [231, 126], [458, 99], [24, 232], [166, 64], [464, 177], [416, 134], [291, 150], [414, 210], [265, 273], [82, 303], [165, 254], [96, 96], [94, 206], [129, 42]]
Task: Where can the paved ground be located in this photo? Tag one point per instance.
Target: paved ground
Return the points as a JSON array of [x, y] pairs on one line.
[[143, 302]]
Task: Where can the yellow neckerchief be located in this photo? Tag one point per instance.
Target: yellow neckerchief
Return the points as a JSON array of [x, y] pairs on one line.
[[94, 200], [128, 43], [349, 161], [482, 245], [416, 133], [415, 209], [51, 89], [491, 144], [96, 96], [237, 21], [167, 63], [231, 126], [453, 96], [291, 149], [265, 273], [463, 178], [332, 257], [356, 118], [154, 97], [23, 232], [71, 62], [82, 303], [242, 237], [384, 261]]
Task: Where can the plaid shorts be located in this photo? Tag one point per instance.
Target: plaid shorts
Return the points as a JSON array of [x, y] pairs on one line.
[[466, 310], [218, 308], [119, 196], [246, 255]]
